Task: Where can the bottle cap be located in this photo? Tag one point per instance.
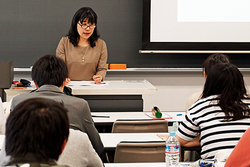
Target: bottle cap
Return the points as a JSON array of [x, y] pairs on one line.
[[155, 108], [172, 133]]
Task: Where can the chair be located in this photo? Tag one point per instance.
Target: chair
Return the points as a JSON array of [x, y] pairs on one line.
[[6, 75], [140, 152], [140, 126], [194, 154]]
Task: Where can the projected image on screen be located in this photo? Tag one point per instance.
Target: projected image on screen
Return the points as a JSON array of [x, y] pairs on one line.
[[200, 21]]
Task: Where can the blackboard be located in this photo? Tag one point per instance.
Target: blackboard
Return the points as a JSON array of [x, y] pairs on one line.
[[30, 29]]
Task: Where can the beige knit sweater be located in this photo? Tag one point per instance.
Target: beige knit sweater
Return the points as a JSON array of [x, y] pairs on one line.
[[83, 62]]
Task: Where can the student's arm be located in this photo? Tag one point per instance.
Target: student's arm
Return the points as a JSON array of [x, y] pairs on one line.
[[193, 143], [90, 129], [188, 132]]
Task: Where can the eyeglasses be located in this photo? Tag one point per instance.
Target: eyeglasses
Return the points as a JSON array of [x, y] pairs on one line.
[[85, 26]]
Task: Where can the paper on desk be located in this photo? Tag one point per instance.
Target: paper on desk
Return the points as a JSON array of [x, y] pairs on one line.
[[136, 81], [164, 116], [164, 137], [85, 83]]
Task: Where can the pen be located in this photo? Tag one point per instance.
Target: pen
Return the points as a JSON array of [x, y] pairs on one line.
[[102, 116], [208, 165]]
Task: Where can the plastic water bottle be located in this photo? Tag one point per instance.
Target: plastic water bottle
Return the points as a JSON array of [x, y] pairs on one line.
[[156, 112], [172, 151], [175, 127]]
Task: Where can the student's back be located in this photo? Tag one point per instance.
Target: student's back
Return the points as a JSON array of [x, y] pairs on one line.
[[79, 151], [50, 75]]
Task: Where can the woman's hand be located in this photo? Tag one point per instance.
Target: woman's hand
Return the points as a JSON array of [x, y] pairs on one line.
[[97, 79]]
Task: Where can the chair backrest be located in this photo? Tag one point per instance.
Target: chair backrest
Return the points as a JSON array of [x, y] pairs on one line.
[[6, 74], [140, 152], [140, 126]]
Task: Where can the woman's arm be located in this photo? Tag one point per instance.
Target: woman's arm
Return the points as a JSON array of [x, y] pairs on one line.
[[102, 67], [60, 50], [193, 143]]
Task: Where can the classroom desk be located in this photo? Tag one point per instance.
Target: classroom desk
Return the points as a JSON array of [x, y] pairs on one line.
[[104, 120], [148, 164], [110, 140], [112, 96], [111, 117], [120, 87]]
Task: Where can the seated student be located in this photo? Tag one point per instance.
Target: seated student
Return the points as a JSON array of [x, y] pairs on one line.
[[36, 133], [2, 118], [221, 116], [50, 74], [77, 152], [206, 66], [240, 156]]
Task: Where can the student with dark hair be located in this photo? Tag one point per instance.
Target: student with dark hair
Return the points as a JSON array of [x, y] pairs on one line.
[[212, 60], [207, 64], [221, 116], [83, 51], [36, 132], [49, 74], [49, 70]]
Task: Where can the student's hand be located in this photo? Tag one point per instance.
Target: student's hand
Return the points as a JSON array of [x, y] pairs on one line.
[[97, 79], [67, 80]]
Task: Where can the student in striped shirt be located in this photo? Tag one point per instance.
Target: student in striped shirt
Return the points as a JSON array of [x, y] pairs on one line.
[[218, 120]]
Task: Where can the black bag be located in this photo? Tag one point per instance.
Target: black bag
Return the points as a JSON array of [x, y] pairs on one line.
[[67, 90]]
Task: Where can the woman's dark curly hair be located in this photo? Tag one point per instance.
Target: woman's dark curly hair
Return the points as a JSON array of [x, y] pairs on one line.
[[81, 15]]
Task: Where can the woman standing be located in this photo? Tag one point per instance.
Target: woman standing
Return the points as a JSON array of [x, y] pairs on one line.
[[83, 51]]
